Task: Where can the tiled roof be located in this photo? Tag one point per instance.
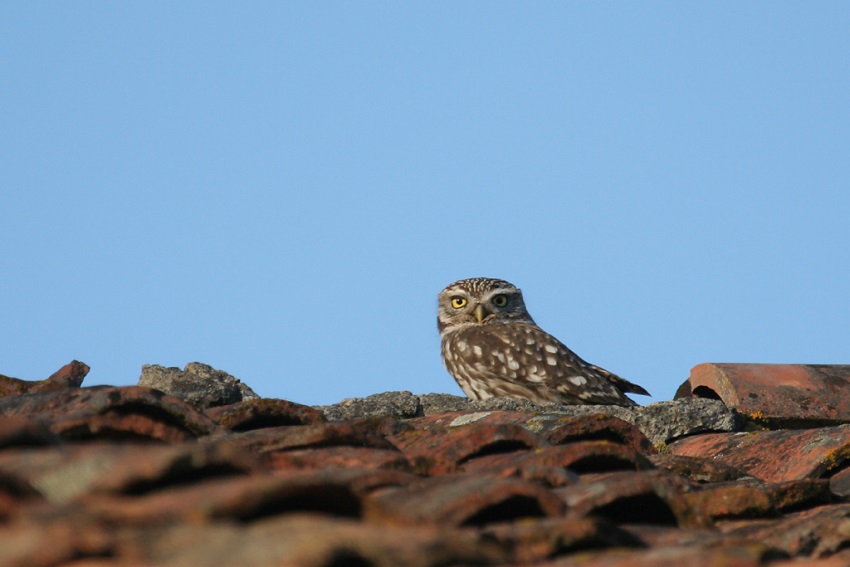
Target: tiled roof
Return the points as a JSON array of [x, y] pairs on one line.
[[749, 467]]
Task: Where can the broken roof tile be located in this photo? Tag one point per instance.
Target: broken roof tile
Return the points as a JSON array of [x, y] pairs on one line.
[[775, 393], [69, 376]]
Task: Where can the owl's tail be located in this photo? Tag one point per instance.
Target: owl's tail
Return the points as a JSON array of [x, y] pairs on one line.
[[622, 384]]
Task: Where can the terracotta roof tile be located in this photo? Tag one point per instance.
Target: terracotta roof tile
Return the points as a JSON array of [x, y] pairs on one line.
[[779, 393], [816, 532], [462, 500], [339, 457], [774, 456], [77, 470], [104, 411], [579, 457], [549, 538], [652, 497], [69, 376], [299, 540], [441, 450], [369, 432], [747, 555], [259, 414], [696, 469], [125, 476], [18, 431], [600, 427]]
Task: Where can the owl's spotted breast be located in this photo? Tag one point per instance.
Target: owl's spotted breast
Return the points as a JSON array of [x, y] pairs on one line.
[[493, 348]]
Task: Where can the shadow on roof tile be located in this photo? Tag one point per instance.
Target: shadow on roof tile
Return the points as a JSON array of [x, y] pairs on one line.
[[551, 537], [247, 498], [262, 413], [16, 431], [442, 450], [579, 457], [68, 473], [644, 497], [816, 532], [366, 432], [696, 469], [339, 457], [107, 412], [302, 540], [599, 427], [460, 500], [745, 555]]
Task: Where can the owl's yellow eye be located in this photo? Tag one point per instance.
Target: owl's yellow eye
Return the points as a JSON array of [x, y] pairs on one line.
[[500, 300], [458, 302]]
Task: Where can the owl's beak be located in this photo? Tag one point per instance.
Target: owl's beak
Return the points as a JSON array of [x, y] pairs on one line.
[[479, 313]]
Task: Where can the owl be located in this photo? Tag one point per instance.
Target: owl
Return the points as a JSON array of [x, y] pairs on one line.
[[494, 349]]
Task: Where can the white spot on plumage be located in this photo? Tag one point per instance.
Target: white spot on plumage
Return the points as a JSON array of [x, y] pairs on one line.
[[500, 356], [477, 350], [578, 380], [534, 377], [551, 361], [513, 364], [551, 348], [462, 345]]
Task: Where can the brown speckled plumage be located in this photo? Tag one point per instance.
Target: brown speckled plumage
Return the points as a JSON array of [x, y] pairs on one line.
[[493, 348]]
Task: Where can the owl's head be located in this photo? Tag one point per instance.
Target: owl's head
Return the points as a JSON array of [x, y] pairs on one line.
[[479, 301]]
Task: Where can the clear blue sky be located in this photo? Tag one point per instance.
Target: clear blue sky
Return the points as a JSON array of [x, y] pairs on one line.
[[280, 189]]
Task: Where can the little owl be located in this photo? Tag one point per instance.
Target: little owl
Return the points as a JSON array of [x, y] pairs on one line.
[[493, 349]]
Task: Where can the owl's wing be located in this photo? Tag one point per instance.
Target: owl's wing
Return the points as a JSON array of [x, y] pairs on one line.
[[543, 361]]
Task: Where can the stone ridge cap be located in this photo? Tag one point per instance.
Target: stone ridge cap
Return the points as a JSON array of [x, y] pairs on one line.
[[661, 422]]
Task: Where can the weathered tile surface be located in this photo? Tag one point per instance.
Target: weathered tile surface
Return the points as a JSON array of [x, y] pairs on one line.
[[787, 393], [128, 476]]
